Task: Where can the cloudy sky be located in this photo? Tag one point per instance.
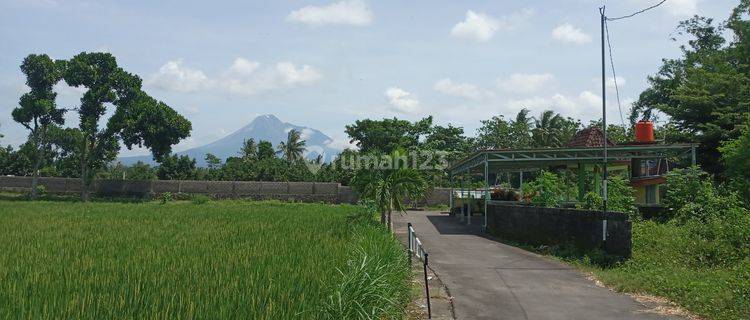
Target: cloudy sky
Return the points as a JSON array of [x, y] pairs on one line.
[[324, 64]]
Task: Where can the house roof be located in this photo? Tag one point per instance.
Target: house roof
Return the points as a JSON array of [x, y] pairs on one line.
[[589, 137]]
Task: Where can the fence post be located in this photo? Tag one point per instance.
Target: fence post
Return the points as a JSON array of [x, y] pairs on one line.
[[427, 287]]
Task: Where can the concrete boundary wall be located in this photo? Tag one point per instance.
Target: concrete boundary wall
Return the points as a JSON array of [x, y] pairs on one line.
[[553, 226], [288, 191]]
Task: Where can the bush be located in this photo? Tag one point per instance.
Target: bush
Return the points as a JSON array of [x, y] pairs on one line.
[[692, 195], [546, 190], [166, 197], [620, 198], [199, 199]]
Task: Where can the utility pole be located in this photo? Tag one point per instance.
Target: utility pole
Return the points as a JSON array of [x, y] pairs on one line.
[[604, 129]]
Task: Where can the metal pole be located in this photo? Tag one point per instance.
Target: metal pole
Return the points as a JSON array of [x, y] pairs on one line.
[[604, 129], [468, 206], [427, 287], [692, 151], [409, 240], [463, 199], [450, 198], [486, 188]]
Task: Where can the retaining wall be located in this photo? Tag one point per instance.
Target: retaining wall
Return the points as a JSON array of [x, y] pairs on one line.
[[552, 226]]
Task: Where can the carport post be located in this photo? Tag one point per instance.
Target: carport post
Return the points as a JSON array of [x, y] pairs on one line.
[[463, 200], [468, 203], [450, 198], [486, 188]]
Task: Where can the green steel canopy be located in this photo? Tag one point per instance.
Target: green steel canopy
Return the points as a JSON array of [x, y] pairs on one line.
[[518, 159]]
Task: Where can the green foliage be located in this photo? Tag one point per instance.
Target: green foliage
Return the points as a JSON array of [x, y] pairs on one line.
[[735, 155], [176, 168], [37, 110], [692, 196], [265, 150], [620, 198], [166, 197], [387, 135], [548, 130], [388, 188], [199, 199], [138, 119], [244, 260], [546, 190]]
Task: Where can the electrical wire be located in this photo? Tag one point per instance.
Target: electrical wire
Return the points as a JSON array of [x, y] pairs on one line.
[[637, 12], [614, 74]]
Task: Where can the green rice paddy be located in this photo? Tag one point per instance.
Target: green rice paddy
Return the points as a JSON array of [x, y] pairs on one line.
[[180, 260]]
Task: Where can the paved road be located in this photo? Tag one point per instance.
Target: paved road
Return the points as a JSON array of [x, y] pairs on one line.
[[491, 280]]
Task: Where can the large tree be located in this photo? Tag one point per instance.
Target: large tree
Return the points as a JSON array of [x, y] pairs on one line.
[[552, 130], [705, 92], [137, 120], [37, 110], [387, 135], [293, 148]]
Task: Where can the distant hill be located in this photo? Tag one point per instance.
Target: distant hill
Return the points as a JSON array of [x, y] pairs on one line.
[[266, 127]]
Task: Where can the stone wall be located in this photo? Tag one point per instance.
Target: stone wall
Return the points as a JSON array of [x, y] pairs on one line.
[[287, 191], [552, 226]]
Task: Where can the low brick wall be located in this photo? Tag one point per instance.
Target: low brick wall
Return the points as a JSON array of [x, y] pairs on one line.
[[552, 226]]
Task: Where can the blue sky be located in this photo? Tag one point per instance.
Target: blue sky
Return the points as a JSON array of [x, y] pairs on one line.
[[324, 64]]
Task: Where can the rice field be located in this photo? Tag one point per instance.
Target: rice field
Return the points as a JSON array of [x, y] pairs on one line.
[[180, 260]]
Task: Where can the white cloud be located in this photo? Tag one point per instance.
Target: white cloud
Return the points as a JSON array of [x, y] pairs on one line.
[[242, 77], [291, 75], [525, 82], [306, 133], [480, 27], [402, 101], [590, 98], [174, 76], [348, 12], [341, 143], [465, 90], [557, 102], [569, 34]]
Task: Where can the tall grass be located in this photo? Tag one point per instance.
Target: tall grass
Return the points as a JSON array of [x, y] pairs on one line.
[[223, 259]]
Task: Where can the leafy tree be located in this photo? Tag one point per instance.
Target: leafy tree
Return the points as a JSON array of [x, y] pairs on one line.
[[176, 168], [140, 171], [137, 120], [387, 135], [265, 150], [706, 92], [293, 147], [212, 161], [495, 133], [249, 150], [449, 138], [37, 110], [735, 155], [389, 188]]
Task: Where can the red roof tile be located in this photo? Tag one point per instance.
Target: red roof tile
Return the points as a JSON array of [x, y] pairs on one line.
[[589, 137]]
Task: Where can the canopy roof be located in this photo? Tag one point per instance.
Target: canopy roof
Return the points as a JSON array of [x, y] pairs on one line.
[[519, 159]]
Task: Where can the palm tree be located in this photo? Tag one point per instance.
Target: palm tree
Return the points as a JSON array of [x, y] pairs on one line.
[[547, 127], [293, 147], [389, 188], [521, 129]]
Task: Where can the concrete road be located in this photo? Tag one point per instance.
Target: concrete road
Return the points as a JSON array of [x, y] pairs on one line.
[[491, 280]]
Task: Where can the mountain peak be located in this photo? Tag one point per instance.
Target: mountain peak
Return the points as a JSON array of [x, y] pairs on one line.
[[265, 127]]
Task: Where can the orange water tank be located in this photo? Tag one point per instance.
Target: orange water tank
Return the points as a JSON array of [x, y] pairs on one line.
[[644, 131]]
